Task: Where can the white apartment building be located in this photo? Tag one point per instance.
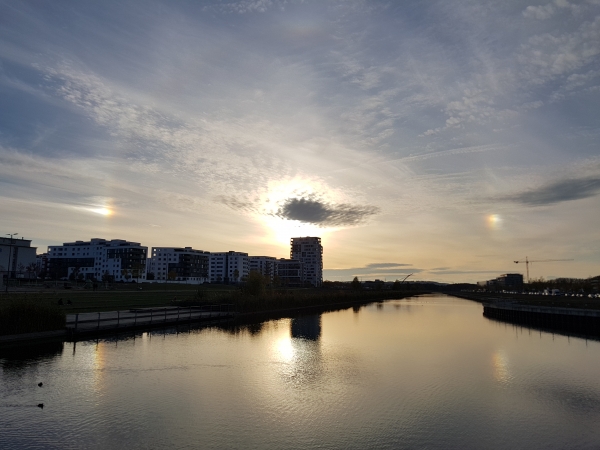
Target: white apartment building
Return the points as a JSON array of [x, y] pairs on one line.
[[228, 267], [118, 259], [265, 265], [181, 265], [310, 251]]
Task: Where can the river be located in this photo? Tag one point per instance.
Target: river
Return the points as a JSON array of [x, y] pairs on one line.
[[424, 372]]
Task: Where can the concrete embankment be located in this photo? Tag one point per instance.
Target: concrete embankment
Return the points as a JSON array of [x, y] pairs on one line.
[[570, 320]]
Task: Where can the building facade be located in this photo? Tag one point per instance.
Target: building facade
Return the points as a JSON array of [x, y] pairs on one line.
[[265, 265], [17, 258], [98, 259], [309, 251], [183, 265], [228, 267], [290, 272]]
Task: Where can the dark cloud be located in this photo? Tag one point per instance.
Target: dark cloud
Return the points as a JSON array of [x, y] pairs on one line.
[[559, 191], [324, 214]]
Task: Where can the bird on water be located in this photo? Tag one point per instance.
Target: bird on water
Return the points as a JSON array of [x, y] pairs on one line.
[[41, 405], [40, 384]]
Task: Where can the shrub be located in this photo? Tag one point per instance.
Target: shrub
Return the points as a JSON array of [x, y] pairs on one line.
[[30, 316]]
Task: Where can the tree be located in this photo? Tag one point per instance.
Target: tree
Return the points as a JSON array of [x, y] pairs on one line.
[[397, 285], [172, 275], [138, 270], [236, 275], [32, 269], [150, 276], [356, 284], [256, 283]]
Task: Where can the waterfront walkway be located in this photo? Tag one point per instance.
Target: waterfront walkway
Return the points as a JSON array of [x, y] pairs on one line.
[[97, 322]]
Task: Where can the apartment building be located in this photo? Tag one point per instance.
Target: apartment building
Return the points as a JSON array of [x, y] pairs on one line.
[[290, 272], [94, 259], [177, 264], [228, 267], [265, 265], [16, 257], [309, 251]]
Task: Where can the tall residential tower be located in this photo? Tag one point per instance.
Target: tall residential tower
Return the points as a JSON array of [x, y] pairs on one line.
[[310, 251]]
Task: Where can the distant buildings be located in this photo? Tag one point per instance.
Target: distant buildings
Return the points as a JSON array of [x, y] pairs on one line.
[[265, 265], [290, 272], [184, 265], [121, 260], [229, 267], [117, 260], [310, 251], [17, 258], [508, 281]]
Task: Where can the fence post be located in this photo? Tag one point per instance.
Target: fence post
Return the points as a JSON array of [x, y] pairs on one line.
[[178, 311], [135, 319], [151, 314], [98, 321], [165, 315], [76, 321], [118, 318]]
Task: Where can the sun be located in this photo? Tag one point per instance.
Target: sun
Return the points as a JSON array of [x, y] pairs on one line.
[[102, 211], [279, 228]]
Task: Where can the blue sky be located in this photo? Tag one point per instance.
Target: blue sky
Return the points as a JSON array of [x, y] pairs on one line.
[[445, 139]]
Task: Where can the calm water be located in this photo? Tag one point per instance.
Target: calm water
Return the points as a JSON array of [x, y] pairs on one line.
[[428, 372]]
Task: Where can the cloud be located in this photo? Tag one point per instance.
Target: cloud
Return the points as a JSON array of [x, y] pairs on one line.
[[372, 271], [385, 265], [559, 191], [541, 12], [325, 214], [235, 204]]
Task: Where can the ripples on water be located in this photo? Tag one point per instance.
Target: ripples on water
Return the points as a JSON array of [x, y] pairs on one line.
[[428, 372]]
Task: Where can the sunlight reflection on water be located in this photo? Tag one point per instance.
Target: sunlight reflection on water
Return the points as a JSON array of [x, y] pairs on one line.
[[427, 372]]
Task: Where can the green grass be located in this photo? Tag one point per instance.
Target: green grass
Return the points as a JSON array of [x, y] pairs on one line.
[[30, 315]]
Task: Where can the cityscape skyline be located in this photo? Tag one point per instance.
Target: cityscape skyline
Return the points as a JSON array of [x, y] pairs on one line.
[[446, 139]]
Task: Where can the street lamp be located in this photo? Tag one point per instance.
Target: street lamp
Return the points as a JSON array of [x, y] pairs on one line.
[[9, 257]]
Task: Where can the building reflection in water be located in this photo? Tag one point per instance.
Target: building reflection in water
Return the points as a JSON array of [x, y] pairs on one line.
[[306, 327], [300, 353]]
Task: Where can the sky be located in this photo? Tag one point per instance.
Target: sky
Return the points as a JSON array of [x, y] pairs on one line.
[[444, 139]]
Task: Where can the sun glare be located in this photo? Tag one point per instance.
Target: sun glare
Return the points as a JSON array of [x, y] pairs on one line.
[[102, 211], [494, 221], [283, 229]]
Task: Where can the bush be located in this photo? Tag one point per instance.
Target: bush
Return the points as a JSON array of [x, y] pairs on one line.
[[30, 316]]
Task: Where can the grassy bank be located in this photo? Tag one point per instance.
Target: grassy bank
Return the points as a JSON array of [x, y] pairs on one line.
[[26, 315], [288, 299]]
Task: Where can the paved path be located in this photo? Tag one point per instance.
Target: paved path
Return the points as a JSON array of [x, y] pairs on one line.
[[142, 317]]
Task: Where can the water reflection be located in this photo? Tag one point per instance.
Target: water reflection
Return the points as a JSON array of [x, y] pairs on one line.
[[501, 367], [435, 374], [306, 327]]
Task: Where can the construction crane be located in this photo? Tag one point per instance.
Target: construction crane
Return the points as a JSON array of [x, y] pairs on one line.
[[527, 261]]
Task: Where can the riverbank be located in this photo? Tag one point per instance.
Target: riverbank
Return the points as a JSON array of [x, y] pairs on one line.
[[543, 314], [243, 309]]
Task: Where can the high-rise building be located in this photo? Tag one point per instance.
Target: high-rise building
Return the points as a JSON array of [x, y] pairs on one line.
[[183, 265], [118, 259], [310, 251]]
